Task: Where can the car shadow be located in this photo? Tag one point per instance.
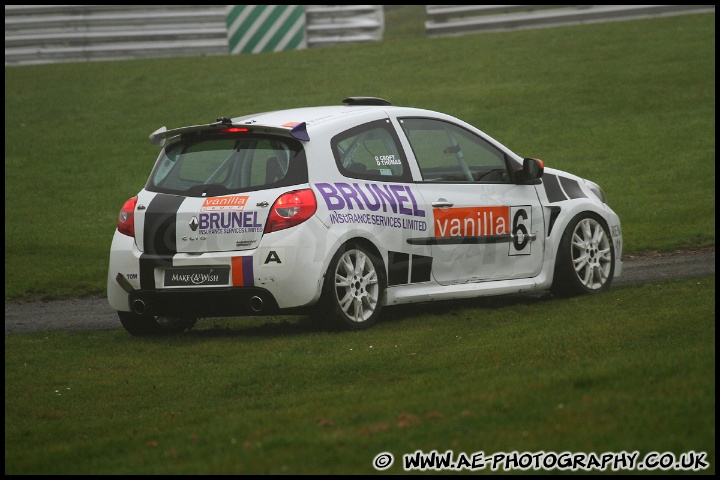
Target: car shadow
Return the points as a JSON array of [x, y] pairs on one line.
[[266, 326], [445, 307], [292, 325]]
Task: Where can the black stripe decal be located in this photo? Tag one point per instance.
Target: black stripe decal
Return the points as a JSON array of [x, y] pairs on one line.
[[572, 188], [421, 268], [554, 213], [404, 268], [398, 268], [552, 188], [158, 237], [148, 263], [482, 240]]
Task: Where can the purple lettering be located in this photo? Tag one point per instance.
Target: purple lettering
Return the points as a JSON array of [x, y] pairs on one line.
[[371, 196], [385, 196], [416, 211], [330, 194], [240, 219], [401, 199], [349, 194], [374, 207], [250, 219], [214, 219], [228, 220]]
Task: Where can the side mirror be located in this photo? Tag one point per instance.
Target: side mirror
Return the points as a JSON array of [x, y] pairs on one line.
[[532, 170]]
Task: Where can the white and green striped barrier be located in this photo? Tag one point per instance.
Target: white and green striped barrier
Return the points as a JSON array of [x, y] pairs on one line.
[[265, 28]]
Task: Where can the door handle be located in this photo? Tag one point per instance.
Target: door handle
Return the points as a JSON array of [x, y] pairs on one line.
[[441, 203]]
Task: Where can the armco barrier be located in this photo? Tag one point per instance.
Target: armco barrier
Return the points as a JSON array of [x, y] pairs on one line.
[[36, 34], [336, 24], [75, 33], [448, 20]]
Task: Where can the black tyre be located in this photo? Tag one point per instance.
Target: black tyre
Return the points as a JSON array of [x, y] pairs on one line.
[[354, 289], [144, 325], [585, 260]]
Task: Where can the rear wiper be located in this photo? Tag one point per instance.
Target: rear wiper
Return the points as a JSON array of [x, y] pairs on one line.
[[207, 190]]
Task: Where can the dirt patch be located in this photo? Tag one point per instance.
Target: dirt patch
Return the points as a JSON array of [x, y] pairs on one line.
[[96, 314]]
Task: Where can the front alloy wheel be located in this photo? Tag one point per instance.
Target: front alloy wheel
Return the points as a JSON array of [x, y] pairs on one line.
[[355, 288], [586, 257]]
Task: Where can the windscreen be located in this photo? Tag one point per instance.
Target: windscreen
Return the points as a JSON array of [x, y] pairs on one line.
[[215, 165]]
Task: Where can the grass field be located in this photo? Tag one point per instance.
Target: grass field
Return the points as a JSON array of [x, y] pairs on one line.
[[630, 105], [632, 370]]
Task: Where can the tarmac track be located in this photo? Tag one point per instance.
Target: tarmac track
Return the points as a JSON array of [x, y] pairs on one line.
[[86, 314]]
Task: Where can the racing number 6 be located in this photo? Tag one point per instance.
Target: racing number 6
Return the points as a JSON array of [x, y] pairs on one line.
[[520, 231], [520, 228]]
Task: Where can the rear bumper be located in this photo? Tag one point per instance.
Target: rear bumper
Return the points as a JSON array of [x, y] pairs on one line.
[[222, 302], [284, 272]]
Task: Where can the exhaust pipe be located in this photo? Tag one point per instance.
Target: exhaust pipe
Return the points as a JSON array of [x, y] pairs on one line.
[[138, 306], [256, 304]]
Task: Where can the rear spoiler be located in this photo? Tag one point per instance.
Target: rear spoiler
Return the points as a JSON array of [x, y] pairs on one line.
[[161, 136]]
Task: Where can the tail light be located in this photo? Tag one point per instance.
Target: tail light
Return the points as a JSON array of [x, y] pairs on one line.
[[126, 220], [291, 209]]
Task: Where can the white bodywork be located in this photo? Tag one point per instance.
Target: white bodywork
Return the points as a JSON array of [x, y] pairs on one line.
[[395, 218]]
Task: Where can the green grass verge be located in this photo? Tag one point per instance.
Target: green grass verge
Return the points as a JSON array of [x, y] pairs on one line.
[[629, 370], [630, 105]]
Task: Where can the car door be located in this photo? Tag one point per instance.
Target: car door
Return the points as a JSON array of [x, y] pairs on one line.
[[484, 226]]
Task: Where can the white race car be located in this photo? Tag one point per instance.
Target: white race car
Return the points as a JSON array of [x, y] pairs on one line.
[[341, 210]]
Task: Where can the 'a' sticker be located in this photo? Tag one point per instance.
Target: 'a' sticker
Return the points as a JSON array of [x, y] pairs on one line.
[[272, 257]]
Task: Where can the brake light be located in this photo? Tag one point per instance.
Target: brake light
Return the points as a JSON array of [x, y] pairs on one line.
[[126, 219], [291, 209]]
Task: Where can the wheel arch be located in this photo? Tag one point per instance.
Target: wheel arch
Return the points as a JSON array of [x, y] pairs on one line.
[[330, 308], [552, 241], [561, 260], [370, 246], [363, 241], [565, 218]]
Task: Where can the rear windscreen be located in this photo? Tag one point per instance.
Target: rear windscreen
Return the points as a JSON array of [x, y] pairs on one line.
[[222, 164]]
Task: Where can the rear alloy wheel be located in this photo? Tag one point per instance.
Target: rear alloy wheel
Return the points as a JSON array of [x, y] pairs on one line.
[[354, 289], [586, 257], [145, 325]]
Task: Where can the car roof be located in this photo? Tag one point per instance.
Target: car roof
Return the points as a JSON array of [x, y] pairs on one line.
[[309, 115], [296, 121], [317, 114]]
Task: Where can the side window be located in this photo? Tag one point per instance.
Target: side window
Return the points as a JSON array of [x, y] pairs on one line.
[[448, 153], [371, 152]]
